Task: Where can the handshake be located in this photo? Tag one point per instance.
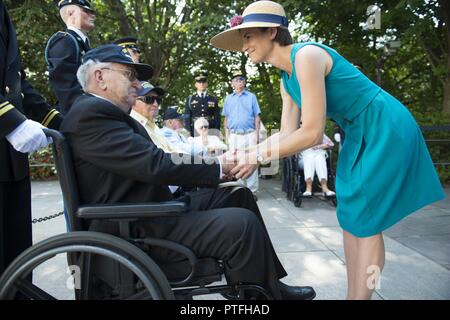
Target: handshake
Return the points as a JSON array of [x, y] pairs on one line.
[[238, 164]]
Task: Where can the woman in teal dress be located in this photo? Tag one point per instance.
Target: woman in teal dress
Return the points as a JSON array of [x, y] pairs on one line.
[[384, 171]]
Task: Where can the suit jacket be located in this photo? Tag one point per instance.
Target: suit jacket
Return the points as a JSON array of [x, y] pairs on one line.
[[116, 161], [18, 100], [64, 58]]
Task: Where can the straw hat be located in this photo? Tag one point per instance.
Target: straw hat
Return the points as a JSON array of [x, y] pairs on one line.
[[258, 14]]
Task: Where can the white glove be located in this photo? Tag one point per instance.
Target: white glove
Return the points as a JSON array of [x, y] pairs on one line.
[[337, 137], [28, 137]]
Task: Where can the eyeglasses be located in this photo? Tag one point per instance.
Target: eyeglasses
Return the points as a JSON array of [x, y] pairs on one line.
[[239, 79], [130, 74], [151, 99], [201, 81], [204, 127], [136, 50]]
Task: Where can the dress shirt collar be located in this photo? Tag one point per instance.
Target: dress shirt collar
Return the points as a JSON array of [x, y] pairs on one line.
[[200, 93], [242, 93], [141, 119], [78, 32]]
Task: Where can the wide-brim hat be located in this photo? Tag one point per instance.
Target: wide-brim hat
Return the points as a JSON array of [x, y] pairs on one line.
[[258, 14], [118, 54]]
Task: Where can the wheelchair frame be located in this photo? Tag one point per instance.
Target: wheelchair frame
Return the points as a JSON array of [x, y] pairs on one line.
[[294, 182], [139, 276]]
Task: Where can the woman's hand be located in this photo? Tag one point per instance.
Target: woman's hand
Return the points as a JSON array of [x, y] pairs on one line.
[[246, 164]]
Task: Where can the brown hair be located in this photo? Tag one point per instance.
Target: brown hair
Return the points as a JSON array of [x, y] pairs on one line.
[[283, 36]]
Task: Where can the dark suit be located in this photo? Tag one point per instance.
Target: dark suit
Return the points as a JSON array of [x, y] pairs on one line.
[[116, 161], [64, 58], [18, 100], [207, 107]]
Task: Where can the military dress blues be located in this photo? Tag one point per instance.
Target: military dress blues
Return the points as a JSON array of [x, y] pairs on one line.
[[64, 51], [18, 100], [202, 104]]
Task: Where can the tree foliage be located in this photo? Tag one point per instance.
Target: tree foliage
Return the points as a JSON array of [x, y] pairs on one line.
[[175, 40]]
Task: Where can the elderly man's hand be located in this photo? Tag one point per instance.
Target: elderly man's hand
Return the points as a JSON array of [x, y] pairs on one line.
[[228, 161]]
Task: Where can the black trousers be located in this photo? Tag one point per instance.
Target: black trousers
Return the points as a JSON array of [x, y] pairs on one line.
[[15, 220], [226, 226]]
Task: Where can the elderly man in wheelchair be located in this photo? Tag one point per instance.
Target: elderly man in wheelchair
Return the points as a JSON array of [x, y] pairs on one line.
[[130, 237]]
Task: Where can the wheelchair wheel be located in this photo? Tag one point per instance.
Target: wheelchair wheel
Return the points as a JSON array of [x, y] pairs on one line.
[[334, 201], [148, 281], [289, 178], [298, 201]]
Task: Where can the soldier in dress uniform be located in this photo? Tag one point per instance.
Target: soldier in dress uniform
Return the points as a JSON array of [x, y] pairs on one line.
[[202, 105], [19, 102], [65, 48], [130, 43]]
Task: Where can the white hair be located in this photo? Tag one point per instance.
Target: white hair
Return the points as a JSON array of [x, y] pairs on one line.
[[85, 73], [200, 122]]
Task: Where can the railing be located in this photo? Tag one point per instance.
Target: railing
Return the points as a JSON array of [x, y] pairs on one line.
[[437, 128]]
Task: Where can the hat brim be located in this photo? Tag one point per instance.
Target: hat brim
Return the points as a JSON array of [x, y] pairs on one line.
[[88, 8], [232, 40], [159, 91], [144, 71]]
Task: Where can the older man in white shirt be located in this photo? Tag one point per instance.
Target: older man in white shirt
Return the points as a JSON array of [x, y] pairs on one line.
[[172, 125]]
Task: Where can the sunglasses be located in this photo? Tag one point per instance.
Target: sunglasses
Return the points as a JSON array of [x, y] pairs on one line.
[[151, 99], [201, 81], [204, 127]]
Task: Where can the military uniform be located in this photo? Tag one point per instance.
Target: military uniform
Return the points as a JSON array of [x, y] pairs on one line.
[[63, 55], [18, 99], [206, 107], [130, 44]]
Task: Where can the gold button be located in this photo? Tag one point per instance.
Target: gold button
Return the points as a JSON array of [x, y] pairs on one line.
[[7, 90]]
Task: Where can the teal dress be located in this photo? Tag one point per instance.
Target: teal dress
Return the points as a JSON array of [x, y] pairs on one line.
[[384, 169]]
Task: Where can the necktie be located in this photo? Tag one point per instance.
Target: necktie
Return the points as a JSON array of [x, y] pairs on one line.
[[87, 44]]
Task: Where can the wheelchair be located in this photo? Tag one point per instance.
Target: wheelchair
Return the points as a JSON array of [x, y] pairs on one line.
[[105, 266], [293, 180]]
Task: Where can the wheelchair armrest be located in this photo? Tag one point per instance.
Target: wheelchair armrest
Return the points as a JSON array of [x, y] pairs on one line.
[[228, 184], [132, 211]]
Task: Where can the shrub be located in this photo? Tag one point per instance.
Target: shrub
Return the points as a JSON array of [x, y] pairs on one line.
[[42, 166]]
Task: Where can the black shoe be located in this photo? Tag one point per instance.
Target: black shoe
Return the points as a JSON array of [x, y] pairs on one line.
[[296, 293]]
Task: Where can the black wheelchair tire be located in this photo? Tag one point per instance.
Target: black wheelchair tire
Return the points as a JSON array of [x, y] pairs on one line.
[[155, 281]]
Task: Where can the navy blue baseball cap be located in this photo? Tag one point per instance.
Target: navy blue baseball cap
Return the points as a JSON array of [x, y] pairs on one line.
[[172, 113], [147, 87], [85, 4], [117, 54]]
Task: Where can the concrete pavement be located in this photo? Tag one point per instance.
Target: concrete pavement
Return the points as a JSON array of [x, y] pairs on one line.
[[308, 241]]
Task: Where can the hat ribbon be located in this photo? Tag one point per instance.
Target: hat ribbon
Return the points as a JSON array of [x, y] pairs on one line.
[[266, 17]]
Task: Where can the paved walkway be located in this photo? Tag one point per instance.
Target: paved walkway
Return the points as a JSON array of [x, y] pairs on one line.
[[308, 241]]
